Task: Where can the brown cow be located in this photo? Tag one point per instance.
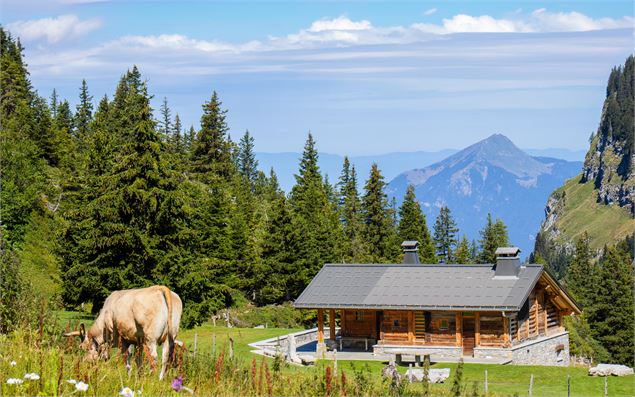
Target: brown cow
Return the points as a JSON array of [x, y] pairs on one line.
[[135, 317]]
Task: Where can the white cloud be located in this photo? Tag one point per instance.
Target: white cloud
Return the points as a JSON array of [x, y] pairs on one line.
[[339, 23], [54, 30], [430, 11], [539, 20]]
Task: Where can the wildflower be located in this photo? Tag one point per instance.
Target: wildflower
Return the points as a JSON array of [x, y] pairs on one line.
[[177, 383], [14, 381], [32, 376], [81, 386], [13, 363], [71, 381], [126, 392]]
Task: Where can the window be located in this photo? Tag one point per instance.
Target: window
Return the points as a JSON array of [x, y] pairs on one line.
[[395, 324], [359, 316], [444, 326]]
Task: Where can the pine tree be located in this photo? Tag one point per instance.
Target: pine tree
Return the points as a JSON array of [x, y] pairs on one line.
[[54, 103], [132, 220], [445, 231], [580, 278], [165, 121], [23, 169], [350, 214], [378, 230], [315, 225], [493, 236], [246, 158], [177, 141], [462, 254], [84, 112], [211, 149], [610, 313], [412, 226]]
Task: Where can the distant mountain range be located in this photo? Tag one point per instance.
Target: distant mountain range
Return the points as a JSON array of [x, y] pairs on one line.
[[391, 164], [491, 176]]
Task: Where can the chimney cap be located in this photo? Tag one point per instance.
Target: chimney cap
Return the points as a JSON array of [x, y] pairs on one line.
[[410, 244], [507, 251]]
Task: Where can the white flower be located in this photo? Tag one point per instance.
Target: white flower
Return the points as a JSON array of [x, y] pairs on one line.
[[32, 376], [71, 381], [14, 381], [81, 386], [126, 392], [13, 363]]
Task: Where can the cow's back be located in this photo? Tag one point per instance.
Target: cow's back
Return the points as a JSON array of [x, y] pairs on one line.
[[140, 314]]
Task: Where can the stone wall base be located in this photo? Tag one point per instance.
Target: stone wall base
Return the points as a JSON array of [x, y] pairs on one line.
[[436, 351], [549, 350]]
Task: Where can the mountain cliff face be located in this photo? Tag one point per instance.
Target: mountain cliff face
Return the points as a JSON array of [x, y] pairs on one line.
[[609, 162], [491, 176], [601, 200]]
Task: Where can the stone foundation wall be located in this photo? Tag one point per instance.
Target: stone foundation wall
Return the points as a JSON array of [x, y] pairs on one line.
[[500, 353], [549, 350]]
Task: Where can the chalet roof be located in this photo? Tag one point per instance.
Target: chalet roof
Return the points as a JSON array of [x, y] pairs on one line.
[[420, 287]]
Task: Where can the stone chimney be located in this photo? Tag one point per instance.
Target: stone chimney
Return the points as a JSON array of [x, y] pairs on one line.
[[410, 252], [507, 262]]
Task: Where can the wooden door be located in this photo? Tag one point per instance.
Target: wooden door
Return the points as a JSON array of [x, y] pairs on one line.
[[468, 335]]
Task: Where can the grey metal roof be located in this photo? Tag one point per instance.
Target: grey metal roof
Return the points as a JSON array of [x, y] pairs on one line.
[[422, 287]]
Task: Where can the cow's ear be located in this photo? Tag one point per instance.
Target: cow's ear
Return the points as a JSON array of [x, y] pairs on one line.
[[82, 331]]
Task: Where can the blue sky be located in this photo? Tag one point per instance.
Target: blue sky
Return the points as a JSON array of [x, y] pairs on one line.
[[364, 77]]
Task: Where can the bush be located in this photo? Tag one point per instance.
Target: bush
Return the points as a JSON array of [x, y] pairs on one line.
[[277, 316]]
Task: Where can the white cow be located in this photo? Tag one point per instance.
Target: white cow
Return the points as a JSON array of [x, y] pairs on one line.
[[141, 317]]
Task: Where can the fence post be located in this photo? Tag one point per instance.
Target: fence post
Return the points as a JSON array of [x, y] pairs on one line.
[[213, 344], [606, 386], [231, 348], [531, 385], [568, 386], [486, 385], [195, 342]]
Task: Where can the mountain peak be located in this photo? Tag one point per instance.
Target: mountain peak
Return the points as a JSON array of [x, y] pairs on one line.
[[500, 151]]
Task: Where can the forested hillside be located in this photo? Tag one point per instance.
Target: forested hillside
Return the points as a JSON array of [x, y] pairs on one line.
[[113, 194], [587, 237]]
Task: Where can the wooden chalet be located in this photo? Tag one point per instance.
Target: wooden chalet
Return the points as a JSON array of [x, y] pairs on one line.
[[506, 311]]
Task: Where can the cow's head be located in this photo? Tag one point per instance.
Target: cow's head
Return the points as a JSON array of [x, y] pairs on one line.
[[88, 342]]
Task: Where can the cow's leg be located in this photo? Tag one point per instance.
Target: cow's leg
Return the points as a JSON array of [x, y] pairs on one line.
[[152, 349], [166, 355], [126, 350]]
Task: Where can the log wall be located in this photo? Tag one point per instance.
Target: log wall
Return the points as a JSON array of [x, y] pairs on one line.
[[359, 323]]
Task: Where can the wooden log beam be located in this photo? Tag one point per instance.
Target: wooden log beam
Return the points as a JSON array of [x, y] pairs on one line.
[[477, 331], [506, 338], [411, 326], [320, 316], [332, 324], [459, 327]]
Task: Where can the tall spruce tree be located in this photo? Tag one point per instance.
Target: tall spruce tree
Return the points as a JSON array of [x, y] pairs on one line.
[[316, 230], [412, 226], [445, 232], [212, 149], [246, 158], [493, 236], [610, 313], [580, 278], [131, 220], [165, 120], [379, 230], [350, 213], [83, 113]]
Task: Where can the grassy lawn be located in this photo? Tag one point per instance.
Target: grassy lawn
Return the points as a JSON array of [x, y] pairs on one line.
[[504, 380]]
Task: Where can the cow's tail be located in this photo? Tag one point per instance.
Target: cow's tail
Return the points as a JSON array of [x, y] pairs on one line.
[[167, 294]]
